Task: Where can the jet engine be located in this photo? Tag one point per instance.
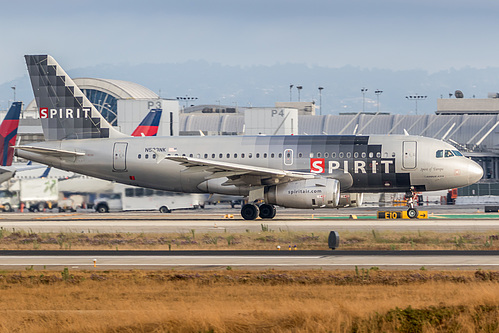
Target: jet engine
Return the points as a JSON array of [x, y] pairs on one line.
[[309, 193], [351, 199]]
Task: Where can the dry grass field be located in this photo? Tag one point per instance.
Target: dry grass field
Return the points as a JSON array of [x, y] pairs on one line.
[[249, 301], [267, 239]]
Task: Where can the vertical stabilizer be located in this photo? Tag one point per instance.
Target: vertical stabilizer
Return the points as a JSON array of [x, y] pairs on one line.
[[8, 133], [65, 112], [149, 126]]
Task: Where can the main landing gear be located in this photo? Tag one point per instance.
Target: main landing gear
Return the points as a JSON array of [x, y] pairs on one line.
[[411, 197], [251, 211]]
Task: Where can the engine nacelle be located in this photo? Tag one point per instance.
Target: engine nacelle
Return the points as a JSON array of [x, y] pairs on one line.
[[309, 193], [351, 199]]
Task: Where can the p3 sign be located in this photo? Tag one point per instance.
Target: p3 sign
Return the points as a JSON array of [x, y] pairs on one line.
[[317, 165]]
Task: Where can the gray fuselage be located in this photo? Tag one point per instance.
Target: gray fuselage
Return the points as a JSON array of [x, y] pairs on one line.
[[376, 163]]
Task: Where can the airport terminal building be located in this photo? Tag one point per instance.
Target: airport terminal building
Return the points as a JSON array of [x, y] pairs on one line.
[[469, 124]]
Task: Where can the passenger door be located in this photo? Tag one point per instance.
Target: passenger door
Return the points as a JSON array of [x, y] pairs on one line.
[[409, 158], [119, 156], [288, 157]]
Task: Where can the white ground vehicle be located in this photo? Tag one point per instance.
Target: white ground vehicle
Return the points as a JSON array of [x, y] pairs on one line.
[[8, 200], [128, 198]]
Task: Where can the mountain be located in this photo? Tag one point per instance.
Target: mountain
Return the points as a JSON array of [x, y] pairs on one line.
[[257, 86]]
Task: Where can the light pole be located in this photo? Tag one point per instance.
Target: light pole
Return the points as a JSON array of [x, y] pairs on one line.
[[363, 90], [14, 88], [299, 89], [416, 98], [320, 100], [290, 87], [378, 92]]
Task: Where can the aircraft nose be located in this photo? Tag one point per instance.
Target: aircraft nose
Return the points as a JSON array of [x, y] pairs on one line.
[[475, 172]]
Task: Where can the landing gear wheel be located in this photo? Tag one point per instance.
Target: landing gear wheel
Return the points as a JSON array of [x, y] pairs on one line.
[[267, 211], [412, 213], [250, 212]]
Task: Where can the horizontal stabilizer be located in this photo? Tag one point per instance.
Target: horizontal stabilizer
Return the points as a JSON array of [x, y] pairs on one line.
[[50, 151]]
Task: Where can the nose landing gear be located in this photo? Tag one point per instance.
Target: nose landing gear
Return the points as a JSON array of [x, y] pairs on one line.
[[411, 197]]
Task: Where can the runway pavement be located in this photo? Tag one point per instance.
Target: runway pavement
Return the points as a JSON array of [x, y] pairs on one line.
[[249, 260], [214, 220]]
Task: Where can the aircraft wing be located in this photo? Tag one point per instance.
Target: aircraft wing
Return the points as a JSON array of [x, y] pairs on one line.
[[50, 151], [239, 174]]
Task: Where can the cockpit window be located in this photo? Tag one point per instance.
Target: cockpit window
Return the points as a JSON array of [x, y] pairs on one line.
[[448, 153], [457, 153], [440, 153]]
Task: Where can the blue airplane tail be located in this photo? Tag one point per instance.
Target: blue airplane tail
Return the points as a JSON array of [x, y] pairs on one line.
[[8, 134], [149, 126]]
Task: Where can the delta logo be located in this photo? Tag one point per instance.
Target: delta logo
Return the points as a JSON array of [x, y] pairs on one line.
[[64, 113]]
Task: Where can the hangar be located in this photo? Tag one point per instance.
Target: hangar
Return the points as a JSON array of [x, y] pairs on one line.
[[470, 124]]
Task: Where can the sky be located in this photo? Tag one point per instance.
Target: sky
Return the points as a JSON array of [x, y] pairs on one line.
[[429, 35], [391, 34]]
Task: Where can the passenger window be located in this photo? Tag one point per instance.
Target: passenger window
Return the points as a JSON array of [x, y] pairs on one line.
[[228, 155], [363, 155], [326, 155], [250, 155], [440, 154], [140, 156], [242, 155], [212, 155], [311, 155], [220, 155], [280, 155], [235, 155], [205, 155], [333, 155], [146, 156], [190, 155], [257, 155], [264, 155], [272, 155], [393, 154], [154, 156], [318, 154], [371, 155], [378, 154], [356, 154], [349, 154], [340, 155]]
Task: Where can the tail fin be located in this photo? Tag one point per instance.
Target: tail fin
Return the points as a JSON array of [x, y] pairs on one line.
[[65, 112], [149, 126], [8, 133]]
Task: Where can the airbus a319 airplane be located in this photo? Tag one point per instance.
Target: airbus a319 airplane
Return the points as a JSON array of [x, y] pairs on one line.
[[298, 171]]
